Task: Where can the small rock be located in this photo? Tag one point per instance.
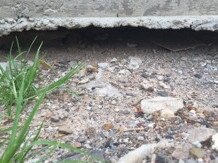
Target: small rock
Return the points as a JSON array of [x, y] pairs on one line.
[[145, 74], [84, 81], [113, 102], [55, 119], [199, 76], [77, 145], [167, 113], [108, 91], [124, 72], [91, 69], [147, 87], [149, 106], [103, 89], [160, 77], [140, 138], [200, 134], [151, 125], [65, 129], [163, 85], [182, 152], [215, 142], [82, 139], [197, 152], [107, 126], [197, 144], [114, 60], [134, 63], [162, 93], [125, 112], [139, 154], [103, 65]]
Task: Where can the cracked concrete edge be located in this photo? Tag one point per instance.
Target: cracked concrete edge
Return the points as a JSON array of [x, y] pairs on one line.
[[209, 23]]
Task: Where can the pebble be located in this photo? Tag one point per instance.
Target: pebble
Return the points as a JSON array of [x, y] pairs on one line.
[[103, 65], [107, 126], [181, 152], [140, 138], [147, 87], [215, 142], [160, 77], [197, 152], [82, 139], [149, 106], [163, 85], [77, 144], [114, 60], [199, 76], [108, 91], [91, 69], [125, 112], [113, 102], [124, 72], [167, 113], [55, 119], [65, 129], [200, 134], [197, 144], [162, 93], [84, 81], [134, 63]]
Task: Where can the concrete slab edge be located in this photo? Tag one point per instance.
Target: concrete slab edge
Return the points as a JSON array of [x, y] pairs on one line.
[[209, 23]]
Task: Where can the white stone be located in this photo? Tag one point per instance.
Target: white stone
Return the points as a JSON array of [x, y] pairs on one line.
[[139, 154], [149, 106], [215, 142], [114, 60], [103, 65], [125, 72], [134, 63], [108, 91], [199, 134], [182, 151]]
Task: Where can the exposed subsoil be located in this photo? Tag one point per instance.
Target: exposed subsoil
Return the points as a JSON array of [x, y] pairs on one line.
[[124, 67]]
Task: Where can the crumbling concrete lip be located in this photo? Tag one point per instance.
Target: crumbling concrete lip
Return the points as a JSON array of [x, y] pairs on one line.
[[207, 22]]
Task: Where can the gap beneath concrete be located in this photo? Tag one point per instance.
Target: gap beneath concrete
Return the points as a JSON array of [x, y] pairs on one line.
[[63, 37]]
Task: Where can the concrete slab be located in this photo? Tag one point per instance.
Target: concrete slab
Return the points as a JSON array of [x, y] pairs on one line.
[[19, 15]]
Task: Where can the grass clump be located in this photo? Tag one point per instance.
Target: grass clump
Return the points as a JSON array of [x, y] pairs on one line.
[[17, 72], [17, 85], [20, 73]]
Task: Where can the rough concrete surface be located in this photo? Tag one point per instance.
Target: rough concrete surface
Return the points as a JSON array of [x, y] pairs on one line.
[[17, 15]]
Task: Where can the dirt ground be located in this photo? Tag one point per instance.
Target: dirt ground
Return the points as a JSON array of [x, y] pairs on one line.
[[124, 68]]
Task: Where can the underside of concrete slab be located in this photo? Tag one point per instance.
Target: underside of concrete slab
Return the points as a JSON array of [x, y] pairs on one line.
[[19, 15]]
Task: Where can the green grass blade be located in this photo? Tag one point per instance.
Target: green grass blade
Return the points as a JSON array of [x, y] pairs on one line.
[[26, 149], [60, 145], [62, 80], [32, 72]]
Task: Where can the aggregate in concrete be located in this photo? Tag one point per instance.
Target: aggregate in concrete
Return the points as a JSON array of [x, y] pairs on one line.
[[19, 15]]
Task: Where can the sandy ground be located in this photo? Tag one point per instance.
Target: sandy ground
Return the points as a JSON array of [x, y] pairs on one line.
[[122, 68]]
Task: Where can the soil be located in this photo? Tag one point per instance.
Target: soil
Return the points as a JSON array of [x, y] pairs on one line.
[[123, 67]]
